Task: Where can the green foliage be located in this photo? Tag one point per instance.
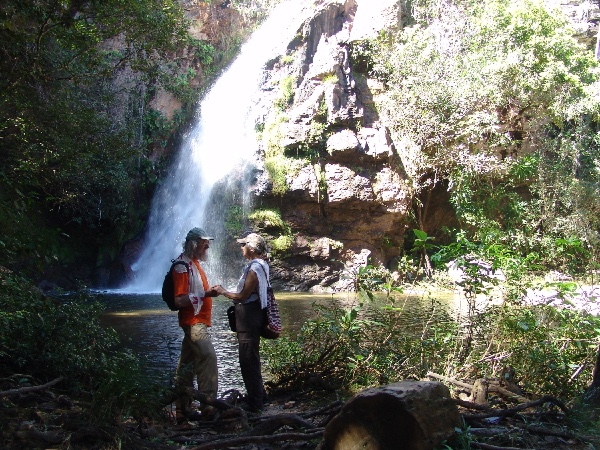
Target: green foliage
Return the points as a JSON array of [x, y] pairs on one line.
[[64, 114], [286, 59], [286, 93], [336, 350], [126, 390], [451, 77], [256, 10], [269, 219], [407, 269], [461, 440], [366, 56], [330, 79], [495, 248], [272, 135], [370, 279], [179, 85], [48, 338], [547, 346], [358, 348], [157, 127], [204, 51], [498, 100], [281, 244], [234, 220], [277, 168]]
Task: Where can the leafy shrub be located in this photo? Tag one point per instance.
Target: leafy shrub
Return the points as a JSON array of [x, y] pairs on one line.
[[47, 338], [234, 220], [379, 344], [548, 347], [281, 245], [269, 219], [286, 93], [350, 349], [126, 389]]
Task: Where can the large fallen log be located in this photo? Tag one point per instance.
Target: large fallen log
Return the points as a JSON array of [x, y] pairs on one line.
[[412, 415]]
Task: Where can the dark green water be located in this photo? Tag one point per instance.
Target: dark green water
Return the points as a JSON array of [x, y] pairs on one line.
[[150, 329]]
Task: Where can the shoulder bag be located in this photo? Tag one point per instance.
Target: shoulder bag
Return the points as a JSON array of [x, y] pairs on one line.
[[272, 328]]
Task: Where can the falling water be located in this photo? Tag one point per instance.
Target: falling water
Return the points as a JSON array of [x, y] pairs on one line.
[[222, 139]]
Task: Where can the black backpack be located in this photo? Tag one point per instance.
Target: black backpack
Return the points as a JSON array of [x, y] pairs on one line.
[[168, 287]]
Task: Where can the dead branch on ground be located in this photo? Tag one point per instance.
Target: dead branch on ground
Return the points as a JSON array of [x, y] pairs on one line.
[[243, 440], [27, 389]]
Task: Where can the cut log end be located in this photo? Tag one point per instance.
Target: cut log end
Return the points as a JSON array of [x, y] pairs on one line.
[[410, 415]]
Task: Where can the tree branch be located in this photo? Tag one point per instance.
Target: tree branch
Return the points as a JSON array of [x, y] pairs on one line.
[[30, 388]]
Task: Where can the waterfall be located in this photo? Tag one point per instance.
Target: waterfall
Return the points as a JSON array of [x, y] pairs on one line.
[[222, 139]]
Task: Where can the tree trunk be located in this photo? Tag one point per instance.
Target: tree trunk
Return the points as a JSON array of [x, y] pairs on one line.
[[592, 394]]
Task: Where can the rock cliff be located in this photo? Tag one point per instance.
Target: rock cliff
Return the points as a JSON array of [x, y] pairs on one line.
[[350, 200]]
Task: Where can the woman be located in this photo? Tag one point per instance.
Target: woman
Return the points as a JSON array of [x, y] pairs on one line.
[[249, 301]]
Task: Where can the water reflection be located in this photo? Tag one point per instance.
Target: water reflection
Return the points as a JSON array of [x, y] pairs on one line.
[[150, 329]]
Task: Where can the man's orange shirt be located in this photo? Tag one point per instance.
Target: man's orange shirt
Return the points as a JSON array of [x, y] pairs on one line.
[[186, 315]]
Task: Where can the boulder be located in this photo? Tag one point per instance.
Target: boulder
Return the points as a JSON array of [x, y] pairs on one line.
[[412, 415]]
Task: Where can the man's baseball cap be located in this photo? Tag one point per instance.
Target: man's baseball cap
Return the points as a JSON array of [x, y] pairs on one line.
[[197, 233]]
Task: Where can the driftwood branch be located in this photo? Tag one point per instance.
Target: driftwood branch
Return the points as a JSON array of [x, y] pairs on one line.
[[243, 440], [274, 423], [516, 409], [26, 389], [470, 405], [493, 447], [450, 380], [549, 432], [492, 387]]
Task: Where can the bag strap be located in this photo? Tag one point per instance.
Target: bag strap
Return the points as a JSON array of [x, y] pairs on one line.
[[174, 262], [179, 261], [265, 272]]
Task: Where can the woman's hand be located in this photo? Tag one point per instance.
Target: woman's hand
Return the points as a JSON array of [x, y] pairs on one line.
[[218, 289]]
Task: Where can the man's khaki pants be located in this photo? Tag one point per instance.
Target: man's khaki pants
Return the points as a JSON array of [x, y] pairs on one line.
[[198, 358]]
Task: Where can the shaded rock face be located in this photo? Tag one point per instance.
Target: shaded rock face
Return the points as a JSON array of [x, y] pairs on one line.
[[354, 196], [412, 415]]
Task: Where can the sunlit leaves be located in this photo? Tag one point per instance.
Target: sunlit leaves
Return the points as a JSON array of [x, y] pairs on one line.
[[465, 82]]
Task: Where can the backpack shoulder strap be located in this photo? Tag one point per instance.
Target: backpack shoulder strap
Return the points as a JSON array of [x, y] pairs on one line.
[[175, 262]]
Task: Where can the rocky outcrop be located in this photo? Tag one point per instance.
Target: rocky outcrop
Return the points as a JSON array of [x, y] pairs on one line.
[[355, 194], [355, 191]]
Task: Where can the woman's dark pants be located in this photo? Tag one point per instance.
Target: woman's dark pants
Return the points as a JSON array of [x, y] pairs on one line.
[[250, 319]]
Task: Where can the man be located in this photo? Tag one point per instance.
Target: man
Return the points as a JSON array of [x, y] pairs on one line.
[[194, 299]]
